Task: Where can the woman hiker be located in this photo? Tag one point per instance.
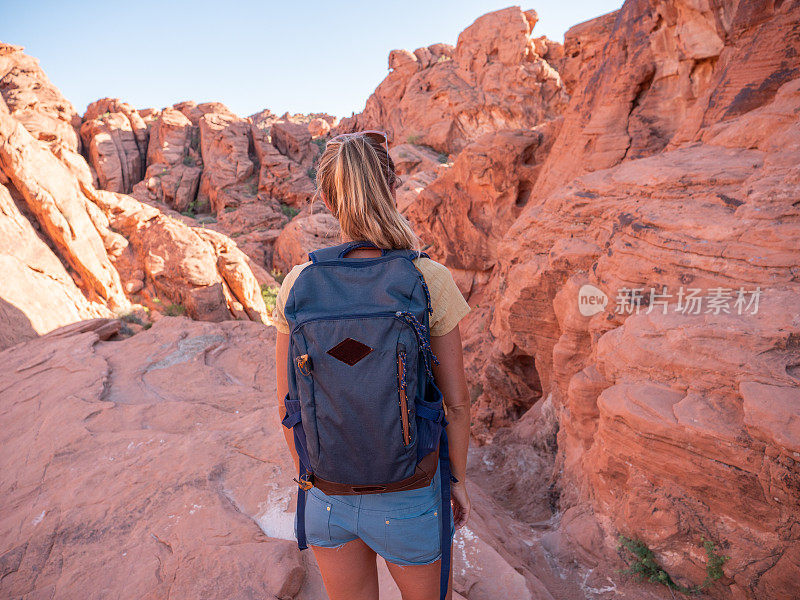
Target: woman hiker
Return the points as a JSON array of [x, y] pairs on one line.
[[356, 181]]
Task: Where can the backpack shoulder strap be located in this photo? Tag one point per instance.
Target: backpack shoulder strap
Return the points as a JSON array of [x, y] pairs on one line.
[[410, 254]]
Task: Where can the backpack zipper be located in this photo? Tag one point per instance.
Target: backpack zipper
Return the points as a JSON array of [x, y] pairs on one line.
[[386, 313], [404, 316], [401, 380]]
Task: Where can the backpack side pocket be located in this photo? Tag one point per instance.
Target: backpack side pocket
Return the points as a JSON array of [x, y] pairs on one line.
[[430, 419], [293, 420], [301, 383]]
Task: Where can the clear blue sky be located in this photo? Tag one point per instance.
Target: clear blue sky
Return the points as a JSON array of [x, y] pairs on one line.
[[302, 56]]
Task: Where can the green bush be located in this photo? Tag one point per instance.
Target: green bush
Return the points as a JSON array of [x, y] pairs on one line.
[[646, 567], [191, 210], [289, 211], [270, 294], [129, 317], [414, 139], [320, 142], [174, 310], [188, 160]]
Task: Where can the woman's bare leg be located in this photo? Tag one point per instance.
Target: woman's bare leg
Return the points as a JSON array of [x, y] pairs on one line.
[[421, 582], [349, 571]]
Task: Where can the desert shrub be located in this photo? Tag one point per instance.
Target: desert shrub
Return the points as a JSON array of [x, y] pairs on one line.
[[174, 310], [270, 294], [289, 211], [646, 567]]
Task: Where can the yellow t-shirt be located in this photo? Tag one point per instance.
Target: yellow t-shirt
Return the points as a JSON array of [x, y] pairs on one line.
[[447, 302]]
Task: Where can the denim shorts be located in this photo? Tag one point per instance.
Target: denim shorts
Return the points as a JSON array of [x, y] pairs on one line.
[[403, 527]]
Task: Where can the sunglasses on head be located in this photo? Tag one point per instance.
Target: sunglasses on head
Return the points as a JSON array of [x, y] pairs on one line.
[[379, 136]]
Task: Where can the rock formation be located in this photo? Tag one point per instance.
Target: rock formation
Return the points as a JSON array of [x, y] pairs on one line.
[[76, 251], [445, 97], [34, 101], [38, 294], [174, 162], [672, 169], [620, 211], [115, 139]]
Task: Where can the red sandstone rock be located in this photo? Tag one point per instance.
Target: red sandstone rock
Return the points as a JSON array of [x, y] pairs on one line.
[[314, 227], [229, 176], [37, 293], [661, 405], [172, 139], [34, 101], [169, 483], [251, 218], [490, 180], [279, 176], [293, 140], [318, 127], [411, 186], [629, 101], [174, 162], [115, 138], [53, 195], [186, 266], [240, 283], [196, 538], [490, 81], [409, 159], [194, 112], [263, 119]]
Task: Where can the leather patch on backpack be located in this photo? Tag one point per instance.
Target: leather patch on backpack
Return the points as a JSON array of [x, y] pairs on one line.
[[349, 351]]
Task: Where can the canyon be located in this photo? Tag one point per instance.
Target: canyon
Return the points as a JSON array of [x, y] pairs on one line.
[[587, 196]]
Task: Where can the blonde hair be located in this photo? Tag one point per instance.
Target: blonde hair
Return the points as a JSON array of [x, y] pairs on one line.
[[352, 177]]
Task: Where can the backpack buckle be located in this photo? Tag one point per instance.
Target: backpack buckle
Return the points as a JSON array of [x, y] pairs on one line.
[[302, 364], [304, 482]]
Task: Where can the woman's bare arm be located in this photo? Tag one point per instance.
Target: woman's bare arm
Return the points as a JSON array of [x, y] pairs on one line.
[[281, 354], [451, 380]]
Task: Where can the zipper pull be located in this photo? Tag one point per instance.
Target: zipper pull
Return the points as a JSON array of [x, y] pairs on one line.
[[303, 364]]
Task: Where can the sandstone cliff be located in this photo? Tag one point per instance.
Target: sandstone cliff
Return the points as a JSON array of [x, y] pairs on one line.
[[75, 251]]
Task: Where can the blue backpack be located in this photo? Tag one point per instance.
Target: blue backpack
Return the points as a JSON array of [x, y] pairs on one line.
[[366, 413]]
